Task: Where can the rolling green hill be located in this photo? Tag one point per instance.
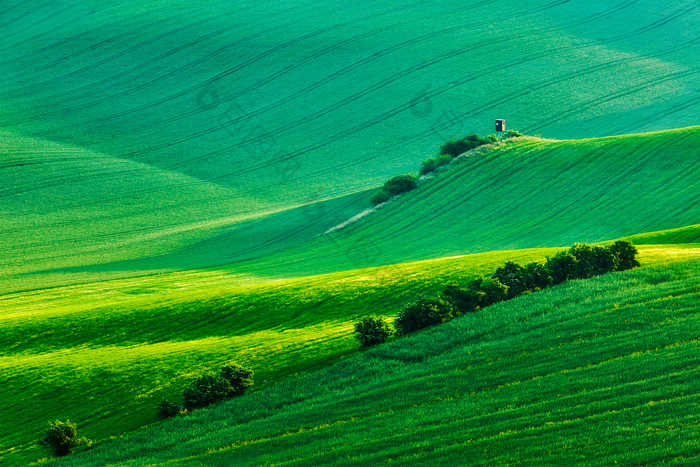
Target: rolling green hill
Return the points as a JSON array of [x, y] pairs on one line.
[[521, 194], [600, 371], [524, 193], [104, 354], [237, 109], [174, 174]]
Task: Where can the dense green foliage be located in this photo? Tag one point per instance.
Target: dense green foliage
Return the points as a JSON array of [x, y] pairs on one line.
[[240, 377], [394, 186], [233, 380], [421, 313], [206, 390], [372, 330], [562, 267], [603, 369], [455, 147], [514, 277], [624, 255], [62, 438], [168, 409], [434, 163]]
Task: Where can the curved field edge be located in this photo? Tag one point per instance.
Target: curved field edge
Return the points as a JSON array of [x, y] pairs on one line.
[[597, 371], [521, 194], [231, 93], [689, 234], [104, 354]]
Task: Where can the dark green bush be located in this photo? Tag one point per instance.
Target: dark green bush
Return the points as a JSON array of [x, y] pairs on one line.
[[464, 300], [206, 390], [423, 312], [513, 276], [394, 186], [379, 197], [240, 378], [585, 260], [61, 438], [400, 184], [536, 276], [604, 260], [492, 289], [512, 134], [562, 267], [625, 255], [431, 165], [168, 409], [372, 330], [455, 147]]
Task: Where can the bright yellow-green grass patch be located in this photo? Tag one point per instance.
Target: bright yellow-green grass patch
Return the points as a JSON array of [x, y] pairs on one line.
[[104, 354], [596, 371]]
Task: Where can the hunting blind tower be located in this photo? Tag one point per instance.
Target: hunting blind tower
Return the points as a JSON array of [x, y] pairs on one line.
[[500, 125]]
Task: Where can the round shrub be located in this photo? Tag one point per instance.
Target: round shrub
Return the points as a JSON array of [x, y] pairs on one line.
[[625, 255], [422, 313], [400, 184], [464, 300], [492, 289], [379, 197], [372, 330], [431, 165], [604, 260], [206, 390], [536, 276], [513, 276], [562, 267], [240, 378], [455, 147], [168, 409], [585, 260], [61, 437]]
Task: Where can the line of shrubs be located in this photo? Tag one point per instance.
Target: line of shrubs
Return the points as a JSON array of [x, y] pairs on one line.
[[581, 261], [448, 152], [233, 380]]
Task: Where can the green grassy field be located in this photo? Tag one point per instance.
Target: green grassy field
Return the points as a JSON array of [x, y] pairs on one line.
[[170, 171], [600, 371], [522, 194], [104, 354], [159, 127]]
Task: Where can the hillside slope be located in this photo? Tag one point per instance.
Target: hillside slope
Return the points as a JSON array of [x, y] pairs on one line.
[[599, 371], [247, 94], [522, 194], [104, 354], [65, 207]]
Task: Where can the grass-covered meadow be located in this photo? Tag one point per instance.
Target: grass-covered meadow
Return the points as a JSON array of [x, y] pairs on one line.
[[185, 184], [600, 371], [105, 354]]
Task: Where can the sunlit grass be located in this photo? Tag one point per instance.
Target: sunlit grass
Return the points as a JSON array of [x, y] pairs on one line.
[[600, 369]]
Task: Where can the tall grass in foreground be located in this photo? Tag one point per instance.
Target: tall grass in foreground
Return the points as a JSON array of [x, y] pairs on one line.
[[603, 371]]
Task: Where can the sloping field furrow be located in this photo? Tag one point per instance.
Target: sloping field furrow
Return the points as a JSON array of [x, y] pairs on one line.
[[62, 207], [230, 92], [523, 194], [115, 348], [104, 354], [603, 369]]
